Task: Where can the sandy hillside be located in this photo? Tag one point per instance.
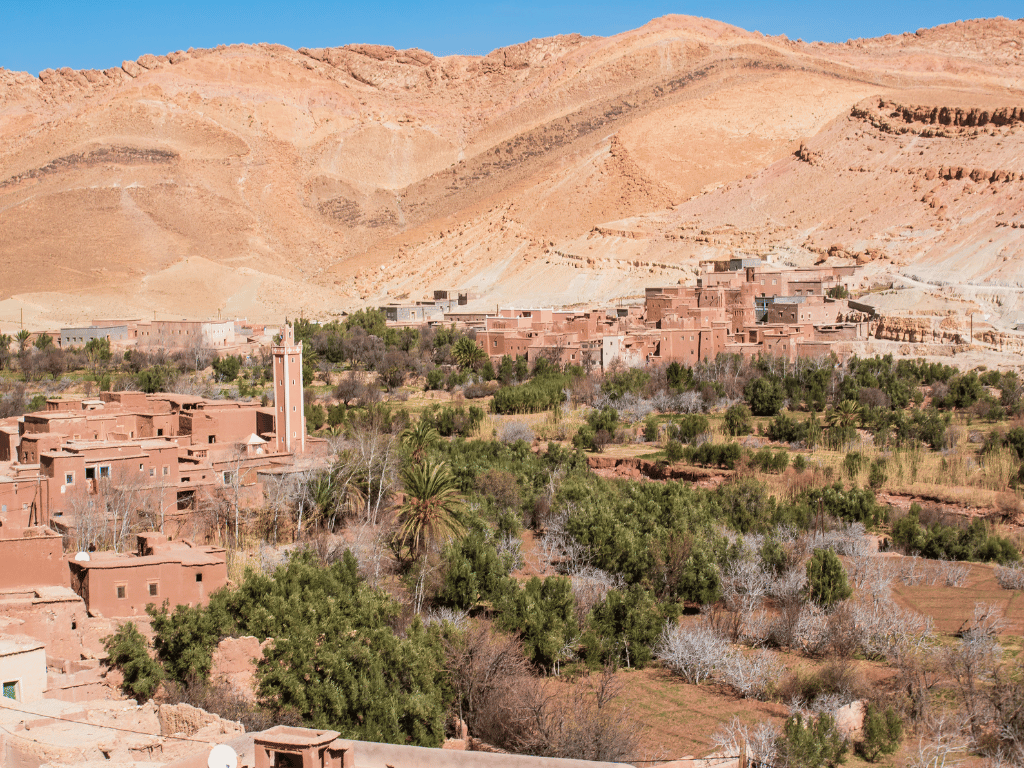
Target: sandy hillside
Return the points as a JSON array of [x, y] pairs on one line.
[[260, 181]]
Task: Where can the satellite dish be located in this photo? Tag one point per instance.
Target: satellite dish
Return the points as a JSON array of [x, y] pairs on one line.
[[82, 557], [222, 756]]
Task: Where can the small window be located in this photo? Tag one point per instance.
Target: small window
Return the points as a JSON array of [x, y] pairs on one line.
[[121, 591], [154, 589], [199, 577], [11, 690], [159, 433], [90, 473], [69, 478], [142, 467], [212, 439], [166, 471], [105, 471], [152, 471], [227, 478]]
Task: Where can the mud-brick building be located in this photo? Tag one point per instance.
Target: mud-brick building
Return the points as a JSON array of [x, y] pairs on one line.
[[121, 585]]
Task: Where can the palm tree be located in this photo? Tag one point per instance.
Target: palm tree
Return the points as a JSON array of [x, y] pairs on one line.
[[44, 341], [467, 354], [419, 437], [431, 508], [22, 338]]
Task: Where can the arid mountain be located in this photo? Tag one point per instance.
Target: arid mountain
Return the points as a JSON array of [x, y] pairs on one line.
[[260, 181]]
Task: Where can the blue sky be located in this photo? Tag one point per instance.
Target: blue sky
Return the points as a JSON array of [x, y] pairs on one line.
[[38, 34]]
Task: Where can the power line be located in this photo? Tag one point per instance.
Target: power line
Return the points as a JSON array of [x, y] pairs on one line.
[[108, 727]]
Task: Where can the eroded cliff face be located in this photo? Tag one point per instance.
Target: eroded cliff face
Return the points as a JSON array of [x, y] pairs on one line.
[[567, 169]]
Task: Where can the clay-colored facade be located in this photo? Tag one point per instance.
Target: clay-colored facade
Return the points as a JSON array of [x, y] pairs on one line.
[[122, 585], [740, 307]]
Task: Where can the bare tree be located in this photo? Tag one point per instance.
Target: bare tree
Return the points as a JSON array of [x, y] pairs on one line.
[[695, 653]]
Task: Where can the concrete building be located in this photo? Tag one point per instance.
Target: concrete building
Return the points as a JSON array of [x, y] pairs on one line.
[[79, 337], [22, 668]]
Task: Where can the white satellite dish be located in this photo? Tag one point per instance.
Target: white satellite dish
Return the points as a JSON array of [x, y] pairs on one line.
[[82, 557], [222, 756]]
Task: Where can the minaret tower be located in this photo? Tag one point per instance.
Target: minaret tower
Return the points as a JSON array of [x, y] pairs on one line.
[[290, 421]]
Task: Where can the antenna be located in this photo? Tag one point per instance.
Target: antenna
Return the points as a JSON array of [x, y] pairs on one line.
[[222, 756]]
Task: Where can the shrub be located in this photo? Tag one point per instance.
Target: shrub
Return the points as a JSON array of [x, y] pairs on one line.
[[650, 430], [689, 427], [674, 451], [812, 744], [878, 475], [883, 732], [514, 431], [799, 463], [539, 394], [738, 421], [129, 652], [826, 579]]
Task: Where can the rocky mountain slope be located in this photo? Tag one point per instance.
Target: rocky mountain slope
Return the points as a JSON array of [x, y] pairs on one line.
[[260, 181]]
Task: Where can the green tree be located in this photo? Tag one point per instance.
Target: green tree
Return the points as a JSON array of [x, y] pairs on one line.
[[420, 437], [22, 337], [227, 368], [812, 744], [43, 341], [625, 626], [432, 506], [737, 420], [883, 732], [5, 349], [467, 354], [826, 579], [129, 652], [544, 614], [98, 351], [765, 396]]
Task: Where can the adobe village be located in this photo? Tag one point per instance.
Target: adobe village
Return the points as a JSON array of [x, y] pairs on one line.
[[562, 449]]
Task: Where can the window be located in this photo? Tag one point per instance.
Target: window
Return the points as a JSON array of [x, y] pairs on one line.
[[154, 589], [90, 473], [185, 479], [122, 591], [199, 577], [227, 478], [212, 439], [142, 467], [105, 471], [159, 433], [773, 281], [166, 471], [69, 478], [11, 690]]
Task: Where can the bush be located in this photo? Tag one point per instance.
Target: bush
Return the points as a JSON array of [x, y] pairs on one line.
[[883, 732], [539, 394], [813, 744], [878, 475], [624, 627], [765, 396], [129, 652], [674, 451], [650, 430], [738, 421], [689, 427], [799, 463], [826, 579], [514, 431], [939, 541]]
